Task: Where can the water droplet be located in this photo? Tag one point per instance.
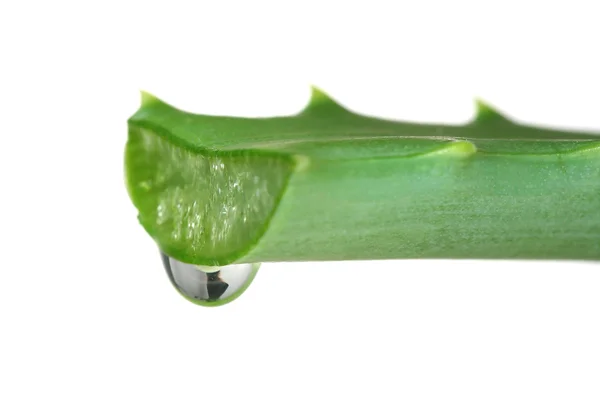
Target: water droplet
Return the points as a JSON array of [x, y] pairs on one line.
[[209, 286]]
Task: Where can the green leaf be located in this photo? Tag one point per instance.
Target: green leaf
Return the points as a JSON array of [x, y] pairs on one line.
[[329, 184]]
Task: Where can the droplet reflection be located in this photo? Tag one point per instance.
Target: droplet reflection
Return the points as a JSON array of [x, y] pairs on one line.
[[209, 286]]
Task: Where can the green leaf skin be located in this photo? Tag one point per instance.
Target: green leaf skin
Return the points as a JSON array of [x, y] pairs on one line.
[[329, 184]]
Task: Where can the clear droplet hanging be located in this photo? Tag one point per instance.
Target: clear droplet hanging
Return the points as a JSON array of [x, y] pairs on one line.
[[209, 286]]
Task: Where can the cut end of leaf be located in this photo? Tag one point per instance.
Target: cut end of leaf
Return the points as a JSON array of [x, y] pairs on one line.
[[201, 208]]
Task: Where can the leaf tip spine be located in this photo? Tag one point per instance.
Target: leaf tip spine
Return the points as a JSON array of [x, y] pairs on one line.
[[319, 100], [485, 113], [148, 99]]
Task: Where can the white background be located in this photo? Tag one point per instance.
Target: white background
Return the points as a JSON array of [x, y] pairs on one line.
[[86, 310]]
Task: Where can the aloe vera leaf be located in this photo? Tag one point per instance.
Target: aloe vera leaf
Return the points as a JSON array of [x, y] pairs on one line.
[[329, 184]]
